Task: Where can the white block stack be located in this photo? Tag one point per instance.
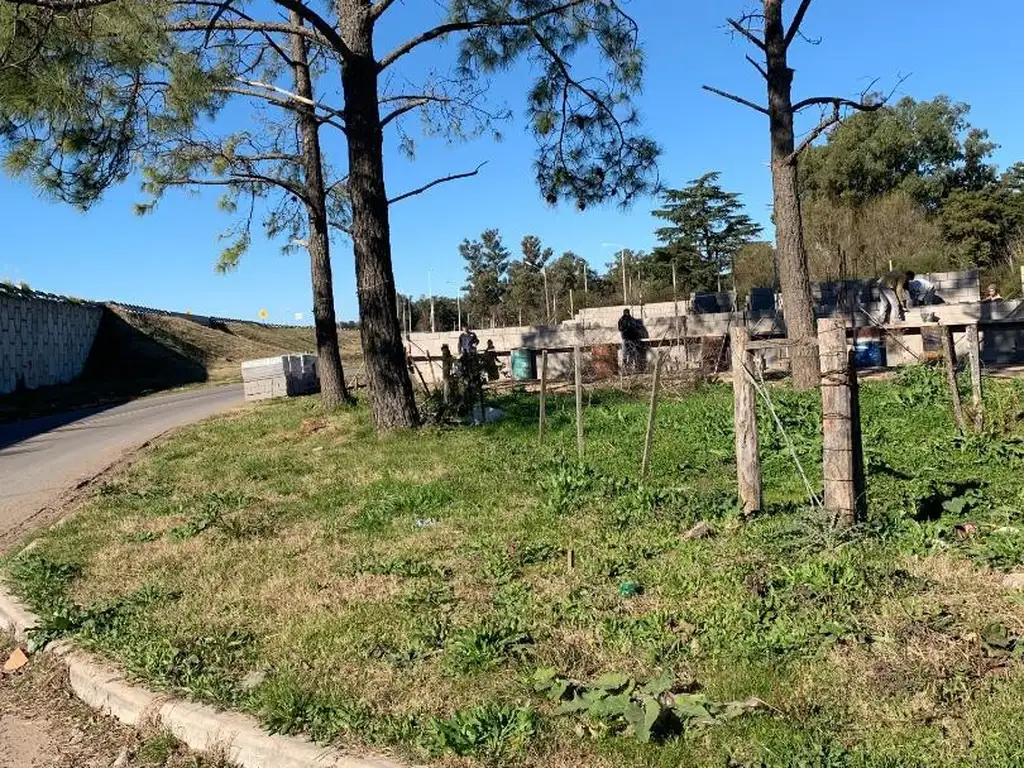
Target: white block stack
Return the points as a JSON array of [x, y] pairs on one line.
[[284, 376]]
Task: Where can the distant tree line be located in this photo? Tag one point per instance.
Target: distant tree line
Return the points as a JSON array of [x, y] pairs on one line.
[[911, 184], [705, 232]]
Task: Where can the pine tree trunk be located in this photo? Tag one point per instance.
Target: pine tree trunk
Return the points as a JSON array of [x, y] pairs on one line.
[[333, 391], [795, 283], [392, 401]]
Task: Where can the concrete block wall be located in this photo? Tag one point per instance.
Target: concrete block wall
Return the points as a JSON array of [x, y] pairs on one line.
[[44, 339]]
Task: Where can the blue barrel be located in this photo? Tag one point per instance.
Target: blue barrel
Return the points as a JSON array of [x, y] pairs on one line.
[[523, 363], [869, 354]]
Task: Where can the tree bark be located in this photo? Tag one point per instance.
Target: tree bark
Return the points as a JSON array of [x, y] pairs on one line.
[[333, 391], [794, 279], [392, 401]]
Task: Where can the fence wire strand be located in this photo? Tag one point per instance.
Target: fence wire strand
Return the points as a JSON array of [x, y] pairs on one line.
[[762, 390]]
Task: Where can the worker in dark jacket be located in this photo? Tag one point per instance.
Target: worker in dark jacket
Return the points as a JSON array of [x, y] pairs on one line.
[[468, 342], [631, 332]]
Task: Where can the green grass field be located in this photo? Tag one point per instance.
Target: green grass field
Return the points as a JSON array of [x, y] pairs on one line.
[[467, 596]]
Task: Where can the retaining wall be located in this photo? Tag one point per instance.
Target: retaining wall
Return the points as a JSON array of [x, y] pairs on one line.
[[44, 339]]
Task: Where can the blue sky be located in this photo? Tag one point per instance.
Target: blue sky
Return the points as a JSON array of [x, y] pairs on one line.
[[166, 259]]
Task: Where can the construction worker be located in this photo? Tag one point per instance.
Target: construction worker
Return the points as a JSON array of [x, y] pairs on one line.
[[894, 289], [922, 291], [630, 331]]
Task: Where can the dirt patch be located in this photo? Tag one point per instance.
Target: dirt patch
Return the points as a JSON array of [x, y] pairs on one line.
[[43, 725]]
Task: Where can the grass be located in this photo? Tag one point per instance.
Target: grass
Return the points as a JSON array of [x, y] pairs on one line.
[[413, 593]]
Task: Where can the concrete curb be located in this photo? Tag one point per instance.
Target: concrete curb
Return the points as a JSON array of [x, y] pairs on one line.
[[202, 728]]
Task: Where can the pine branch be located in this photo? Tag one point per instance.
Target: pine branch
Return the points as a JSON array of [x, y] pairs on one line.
[[821, 101], [62, 5], [738, 26], [320, 24], [294, 97], [411, 102], [838, 104], [379, 8], [409, 106], [794, 28], [826, 122], [758, 67], [244, 25], [466, 26], [434, 183], [737, 99]]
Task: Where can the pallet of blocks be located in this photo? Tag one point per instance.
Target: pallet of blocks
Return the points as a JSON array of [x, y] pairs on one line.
[[284, 376]]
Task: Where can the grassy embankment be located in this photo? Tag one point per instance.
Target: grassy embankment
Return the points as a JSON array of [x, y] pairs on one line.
[[415, 593]]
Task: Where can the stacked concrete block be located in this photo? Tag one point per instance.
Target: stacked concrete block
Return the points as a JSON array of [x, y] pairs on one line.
[[284, 376], [44, 339], [957, 287]]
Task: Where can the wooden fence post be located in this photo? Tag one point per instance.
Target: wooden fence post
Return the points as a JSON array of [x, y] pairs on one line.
[[578, 360], [977, 404], [542, 422], [839, 455], [645, 463], [748, 463], [949, 353]]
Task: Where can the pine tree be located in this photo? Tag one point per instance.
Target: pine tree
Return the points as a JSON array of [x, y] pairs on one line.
[[486, 263], [585, 125], [705, 220]]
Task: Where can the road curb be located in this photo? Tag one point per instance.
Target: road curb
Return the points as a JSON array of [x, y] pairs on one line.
[[202, 728]]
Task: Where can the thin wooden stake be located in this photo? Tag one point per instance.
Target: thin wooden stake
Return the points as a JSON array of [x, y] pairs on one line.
[[645, 463], [542, 421], [578, 360], [949, 353], [859, 468], [977, 404], [419, 373], [748, 463], [839, 457], [433, 373]]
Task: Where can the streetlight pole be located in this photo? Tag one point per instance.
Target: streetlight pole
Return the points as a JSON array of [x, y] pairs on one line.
[[547, 301], [430, 290], [622, 268]]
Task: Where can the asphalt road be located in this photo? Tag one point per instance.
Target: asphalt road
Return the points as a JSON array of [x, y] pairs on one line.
[[41, 459]]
